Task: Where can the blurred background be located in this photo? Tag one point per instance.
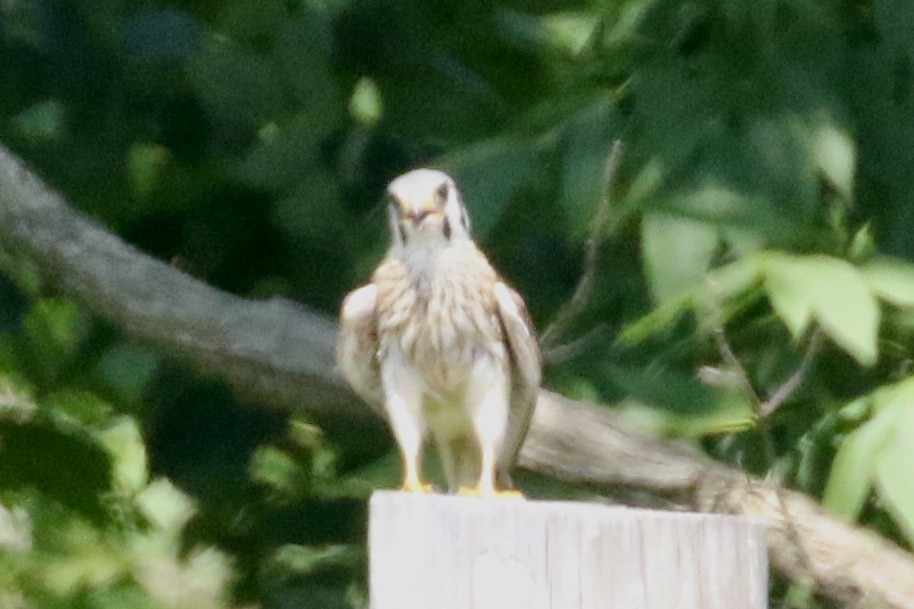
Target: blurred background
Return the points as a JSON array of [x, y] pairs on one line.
[[762, 206]]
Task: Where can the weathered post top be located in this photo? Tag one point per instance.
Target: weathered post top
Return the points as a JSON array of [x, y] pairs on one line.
[[447, 552]]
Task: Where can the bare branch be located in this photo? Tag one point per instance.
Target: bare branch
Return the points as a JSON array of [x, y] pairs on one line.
[[736, 367], [282, 354], [763, 408], [573, 348], [276, 352], [790, 386], [584, 288]]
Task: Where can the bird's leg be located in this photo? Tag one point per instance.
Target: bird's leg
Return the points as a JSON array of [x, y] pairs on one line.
[[485, 487], [410, 439], [412, 481], [404, 409], [490, 422]]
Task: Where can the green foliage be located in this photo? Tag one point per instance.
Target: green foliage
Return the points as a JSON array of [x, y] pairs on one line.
[[877, 453], [827, 291], [763, 202]]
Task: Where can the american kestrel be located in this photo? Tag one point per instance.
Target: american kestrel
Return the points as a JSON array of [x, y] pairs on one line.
[[440, 345]]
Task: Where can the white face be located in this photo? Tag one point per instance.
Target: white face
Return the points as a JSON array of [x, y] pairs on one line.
[[426, 207]]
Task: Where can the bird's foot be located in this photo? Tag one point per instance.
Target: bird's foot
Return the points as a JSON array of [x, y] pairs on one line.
[[509, 494], [417, 487], [488, 492]]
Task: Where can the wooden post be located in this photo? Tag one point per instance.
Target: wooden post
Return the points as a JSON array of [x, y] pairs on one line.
[[447, 552]]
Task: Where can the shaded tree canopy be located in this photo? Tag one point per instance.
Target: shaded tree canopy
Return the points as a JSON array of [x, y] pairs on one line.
[[749, 288]]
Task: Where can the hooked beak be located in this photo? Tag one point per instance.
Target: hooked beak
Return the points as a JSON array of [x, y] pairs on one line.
[[416, 216]]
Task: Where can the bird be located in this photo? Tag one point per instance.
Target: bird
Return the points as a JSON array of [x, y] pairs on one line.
[[440, 345]]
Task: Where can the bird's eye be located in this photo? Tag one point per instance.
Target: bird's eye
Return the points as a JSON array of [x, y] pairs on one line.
[[441, 193]]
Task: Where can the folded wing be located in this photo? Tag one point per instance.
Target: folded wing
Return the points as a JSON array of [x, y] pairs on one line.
[[357, 346], [526, 373]]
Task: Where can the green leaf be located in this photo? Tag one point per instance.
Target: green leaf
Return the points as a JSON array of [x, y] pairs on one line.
[[304, 560], [735, 278], [892, 280], [124, 442], [676, 253], [54, 327], [835, 156], [128, 369], [788, 293], [165, 506], [724, 283], [366, 105], [43, 122], [832, 291], [681, 405], [197, 578], [854, 467], [277, 470], [862, 245], [660, 320], [570, 31], [861, 453], [71, 405], [90, 561], [893, 469]]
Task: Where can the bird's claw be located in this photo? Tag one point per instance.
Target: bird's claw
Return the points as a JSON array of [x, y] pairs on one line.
[[417, 487], [478, 491]]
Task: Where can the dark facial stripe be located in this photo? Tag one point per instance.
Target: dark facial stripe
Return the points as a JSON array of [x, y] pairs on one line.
[[447, 229], [402, 232], [441, 193]]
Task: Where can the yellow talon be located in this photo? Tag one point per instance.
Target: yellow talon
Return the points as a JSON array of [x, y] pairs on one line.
[[477, 491], [510, 494], [417, 487]]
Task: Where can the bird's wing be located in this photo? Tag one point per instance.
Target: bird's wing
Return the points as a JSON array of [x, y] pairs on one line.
[[357, 346], [526, 373]]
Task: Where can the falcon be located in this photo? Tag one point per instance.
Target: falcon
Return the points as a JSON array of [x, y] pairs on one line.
[[440, 345]]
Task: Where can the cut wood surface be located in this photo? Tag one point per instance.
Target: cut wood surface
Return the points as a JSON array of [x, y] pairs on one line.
[[452, 552], [281, 354]]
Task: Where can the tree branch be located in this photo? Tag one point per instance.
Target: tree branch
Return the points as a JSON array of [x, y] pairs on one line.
[[282, 354]]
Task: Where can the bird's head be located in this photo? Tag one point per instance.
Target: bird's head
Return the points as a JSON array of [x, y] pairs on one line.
[[426, 208]]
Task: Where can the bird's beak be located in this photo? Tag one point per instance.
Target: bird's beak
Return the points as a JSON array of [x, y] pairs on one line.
[[419, 212]]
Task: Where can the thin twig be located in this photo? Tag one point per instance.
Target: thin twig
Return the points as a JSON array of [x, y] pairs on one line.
[[584, 288], [789, 387], [736, 366], [574, 347], [763, 408]]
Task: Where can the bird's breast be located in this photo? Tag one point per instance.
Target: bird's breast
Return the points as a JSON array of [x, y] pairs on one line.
[[441, 322]]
